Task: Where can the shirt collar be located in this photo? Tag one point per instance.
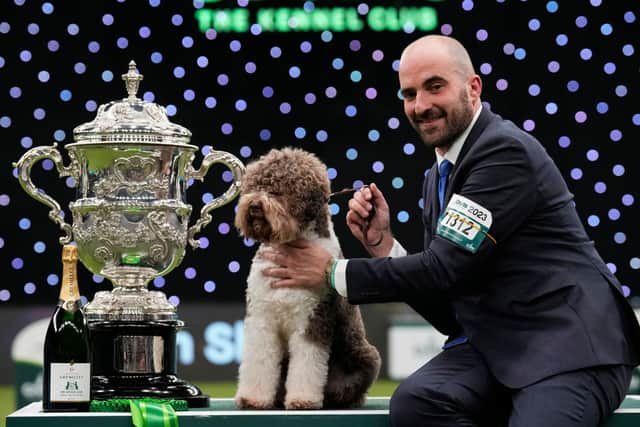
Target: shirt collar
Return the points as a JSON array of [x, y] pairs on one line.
[[453, 151]]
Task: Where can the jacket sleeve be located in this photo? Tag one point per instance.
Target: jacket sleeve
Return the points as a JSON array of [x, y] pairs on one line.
[[497, 175]]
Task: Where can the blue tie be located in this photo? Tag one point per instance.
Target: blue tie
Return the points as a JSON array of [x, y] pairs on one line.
[[445, 168]]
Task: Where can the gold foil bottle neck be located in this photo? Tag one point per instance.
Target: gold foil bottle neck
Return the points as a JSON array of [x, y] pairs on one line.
[[69, 284], [69, 253]]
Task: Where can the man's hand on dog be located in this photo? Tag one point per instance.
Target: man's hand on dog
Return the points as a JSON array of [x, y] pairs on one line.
[[300, 264]]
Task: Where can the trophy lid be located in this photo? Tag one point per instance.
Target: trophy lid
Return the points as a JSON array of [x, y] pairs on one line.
[[131, 120]]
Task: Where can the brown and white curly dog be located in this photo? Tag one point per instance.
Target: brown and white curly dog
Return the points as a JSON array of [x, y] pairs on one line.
[[303, 349]]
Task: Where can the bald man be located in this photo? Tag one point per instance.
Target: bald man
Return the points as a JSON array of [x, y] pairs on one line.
[[540, 333]]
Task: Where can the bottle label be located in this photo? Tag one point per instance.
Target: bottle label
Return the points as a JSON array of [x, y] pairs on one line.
[[70, 382]]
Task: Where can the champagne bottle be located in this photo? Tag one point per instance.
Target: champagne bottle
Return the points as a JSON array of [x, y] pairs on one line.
[[67, 367]]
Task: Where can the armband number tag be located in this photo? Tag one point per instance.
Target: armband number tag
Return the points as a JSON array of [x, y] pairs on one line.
[[464, 223]]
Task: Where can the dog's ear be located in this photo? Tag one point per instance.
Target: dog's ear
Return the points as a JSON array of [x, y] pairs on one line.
[[316, 210]]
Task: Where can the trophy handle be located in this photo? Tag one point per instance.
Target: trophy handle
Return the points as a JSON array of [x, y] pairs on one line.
[[236, 167], [24, 166]]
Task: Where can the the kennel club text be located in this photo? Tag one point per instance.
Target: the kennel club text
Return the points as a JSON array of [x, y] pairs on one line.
[[336, 19]]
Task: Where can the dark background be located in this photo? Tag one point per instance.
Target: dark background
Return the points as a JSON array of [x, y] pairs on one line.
[[513, 44]]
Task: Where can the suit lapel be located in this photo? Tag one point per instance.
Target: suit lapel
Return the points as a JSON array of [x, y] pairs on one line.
[[485, 118], [430, 198], [483, 121]]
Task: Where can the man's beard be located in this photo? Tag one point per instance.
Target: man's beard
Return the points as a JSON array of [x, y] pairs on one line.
[[456, 121]]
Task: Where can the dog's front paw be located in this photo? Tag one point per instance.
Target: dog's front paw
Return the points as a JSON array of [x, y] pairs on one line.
[[252, 403], [302, 404]]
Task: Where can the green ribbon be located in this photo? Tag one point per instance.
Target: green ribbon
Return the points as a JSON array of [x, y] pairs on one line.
[[150, 414], [124, 405]]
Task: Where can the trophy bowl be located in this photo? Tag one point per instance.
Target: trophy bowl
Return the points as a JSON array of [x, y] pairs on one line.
[[131, 167]]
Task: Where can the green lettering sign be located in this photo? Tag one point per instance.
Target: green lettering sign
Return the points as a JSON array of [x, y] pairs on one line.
[[223, 20], [300, 20], [320, 20], [352, 20], [396, 19], [336, 19], [282, 19], [265, 20]]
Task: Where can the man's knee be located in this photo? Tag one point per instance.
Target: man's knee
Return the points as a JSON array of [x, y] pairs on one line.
[[400, 404], [414, 404]]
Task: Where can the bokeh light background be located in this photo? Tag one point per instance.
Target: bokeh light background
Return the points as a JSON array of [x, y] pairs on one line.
[[568, 72]]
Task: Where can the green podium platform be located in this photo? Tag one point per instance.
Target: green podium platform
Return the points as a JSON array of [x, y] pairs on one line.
[[222, 413], [627, 415]]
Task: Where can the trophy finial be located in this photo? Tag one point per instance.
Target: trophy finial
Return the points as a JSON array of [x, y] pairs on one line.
[[132, 80]]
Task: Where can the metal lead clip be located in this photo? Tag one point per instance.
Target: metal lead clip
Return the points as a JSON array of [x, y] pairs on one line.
[[372, 213]]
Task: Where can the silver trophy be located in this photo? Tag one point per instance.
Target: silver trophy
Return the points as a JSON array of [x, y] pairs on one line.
[[131, 167]]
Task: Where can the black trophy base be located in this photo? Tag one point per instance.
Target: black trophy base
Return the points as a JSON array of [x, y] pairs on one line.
[[137, 359], [143, 386]]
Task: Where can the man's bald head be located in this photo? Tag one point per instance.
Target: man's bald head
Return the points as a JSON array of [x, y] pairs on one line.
[[437, 45]]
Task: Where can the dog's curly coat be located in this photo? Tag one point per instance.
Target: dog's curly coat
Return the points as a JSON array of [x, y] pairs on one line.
[[303, 349]]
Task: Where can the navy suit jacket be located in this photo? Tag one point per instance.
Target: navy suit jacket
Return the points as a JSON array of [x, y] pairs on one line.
[[538, 301]]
